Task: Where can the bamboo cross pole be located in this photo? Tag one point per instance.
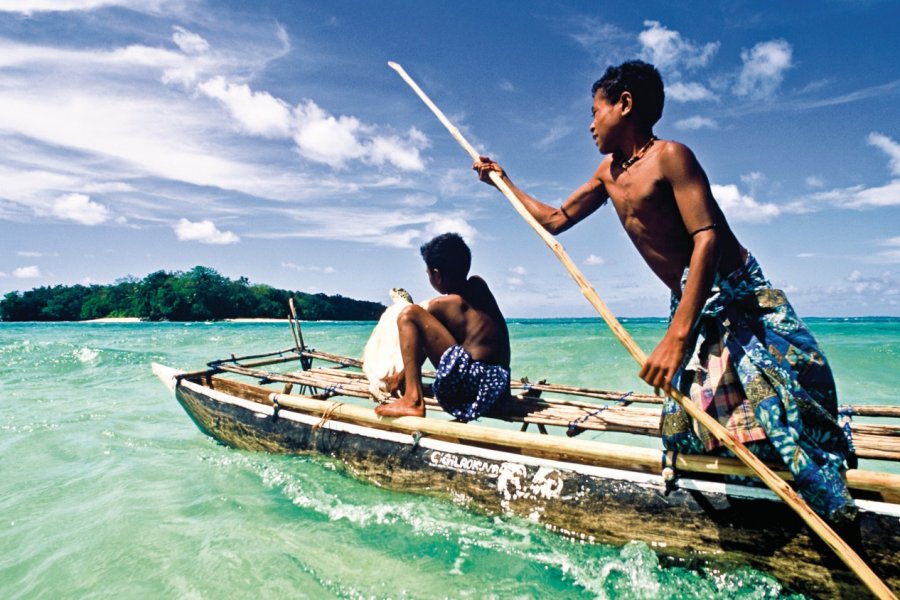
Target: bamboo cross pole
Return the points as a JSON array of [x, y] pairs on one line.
[[775, 483]]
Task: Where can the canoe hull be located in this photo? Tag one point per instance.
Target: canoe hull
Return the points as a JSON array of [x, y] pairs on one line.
[[695, 521]]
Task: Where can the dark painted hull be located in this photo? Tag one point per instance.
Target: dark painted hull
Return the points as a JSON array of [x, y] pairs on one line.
[[697, 520]]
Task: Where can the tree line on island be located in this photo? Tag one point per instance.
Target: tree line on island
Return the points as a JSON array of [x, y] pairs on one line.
[[201, 294]]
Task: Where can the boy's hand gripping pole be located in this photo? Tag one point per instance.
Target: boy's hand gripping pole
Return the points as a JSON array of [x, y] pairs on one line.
[[775, 483]]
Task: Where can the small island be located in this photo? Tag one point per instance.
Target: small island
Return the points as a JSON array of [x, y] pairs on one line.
[[201, 294]]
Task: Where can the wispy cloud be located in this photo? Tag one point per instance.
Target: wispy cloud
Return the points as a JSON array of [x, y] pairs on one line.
[[814, 181], [695, 123], [403, 230], [28, 7], [606, 43], [891, 253], [139, 133], [308, 268], [593, 259], [859, 197], [689, 92], [889, 147]]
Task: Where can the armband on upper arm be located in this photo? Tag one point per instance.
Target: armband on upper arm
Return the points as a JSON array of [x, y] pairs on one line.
[[707, 228], [565, 214]]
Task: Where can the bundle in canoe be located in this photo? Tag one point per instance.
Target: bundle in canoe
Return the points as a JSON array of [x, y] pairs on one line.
[[533, 459]]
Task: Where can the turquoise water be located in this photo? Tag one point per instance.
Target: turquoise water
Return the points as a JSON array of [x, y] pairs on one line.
[[108, 490]]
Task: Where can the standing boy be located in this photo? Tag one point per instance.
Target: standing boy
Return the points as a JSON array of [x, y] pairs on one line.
[[734, 345], [462, 332]]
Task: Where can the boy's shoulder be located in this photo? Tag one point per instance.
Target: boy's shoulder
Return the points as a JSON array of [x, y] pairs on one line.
[[674, 150], [674, 159]]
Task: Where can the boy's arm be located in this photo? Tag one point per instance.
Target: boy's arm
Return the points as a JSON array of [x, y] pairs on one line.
[[583, 201], [698, 212]]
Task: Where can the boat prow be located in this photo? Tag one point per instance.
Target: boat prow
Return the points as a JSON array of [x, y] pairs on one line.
[[166, 374]]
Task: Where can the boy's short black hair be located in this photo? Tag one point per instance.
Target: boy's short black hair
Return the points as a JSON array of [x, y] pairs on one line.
[[449, 254], [642, 80]]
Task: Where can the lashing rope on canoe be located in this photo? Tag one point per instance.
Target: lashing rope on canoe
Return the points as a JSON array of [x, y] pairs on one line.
[[275, 407], [573, 429], [327, 414]]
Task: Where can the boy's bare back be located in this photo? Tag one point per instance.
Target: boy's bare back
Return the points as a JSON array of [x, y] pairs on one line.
[[474, 318]]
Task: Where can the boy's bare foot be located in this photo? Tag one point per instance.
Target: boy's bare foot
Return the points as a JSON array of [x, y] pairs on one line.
[[401, 408]]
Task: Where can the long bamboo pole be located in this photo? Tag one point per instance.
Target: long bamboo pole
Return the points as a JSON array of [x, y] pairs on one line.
[[776, 484]]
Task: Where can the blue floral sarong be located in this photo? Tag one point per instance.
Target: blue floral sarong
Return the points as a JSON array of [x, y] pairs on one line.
[[466, 388], [756, 368]]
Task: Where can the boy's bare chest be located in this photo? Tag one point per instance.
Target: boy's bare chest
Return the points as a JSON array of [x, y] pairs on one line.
[[643, 203]]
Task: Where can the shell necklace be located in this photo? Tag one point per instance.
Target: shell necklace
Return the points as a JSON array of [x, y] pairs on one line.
[[637, 155]]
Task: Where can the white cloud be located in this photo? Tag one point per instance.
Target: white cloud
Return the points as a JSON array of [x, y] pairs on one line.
[[889, 146], [257, 113], [606, 43], [28, 7], [204, 232], [418, 200], [857, 196], [368, 225], [558, 129], [30, 272], [402, 153], [695, 123], [593, 259], [2, 274], [668, 50], [188, 41], [519, 270], [753, 178], [814, 181], [889, 256], [689, 92], [764, 68], [307, 268], [323, 138], [439, 224], [80, 208], [506, 85], [29, 254], [739, 207]]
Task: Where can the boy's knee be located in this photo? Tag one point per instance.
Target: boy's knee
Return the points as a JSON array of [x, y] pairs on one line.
[[409, 313]]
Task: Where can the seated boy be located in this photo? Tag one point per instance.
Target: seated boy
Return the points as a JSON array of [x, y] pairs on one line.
[[462, 332]]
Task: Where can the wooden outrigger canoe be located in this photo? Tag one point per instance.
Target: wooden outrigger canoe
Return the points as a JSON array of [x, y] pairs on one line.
[[591, 490]]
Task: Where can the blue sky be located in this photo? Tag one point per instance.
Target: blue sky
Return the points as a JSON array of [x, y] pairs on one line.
[[269, 139]]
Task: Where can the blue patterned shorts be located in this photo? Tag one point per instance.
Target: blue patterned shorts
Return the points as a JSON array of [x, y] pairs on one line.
[[466, 388]]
